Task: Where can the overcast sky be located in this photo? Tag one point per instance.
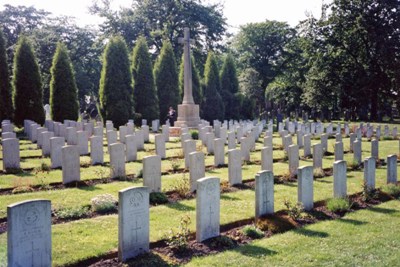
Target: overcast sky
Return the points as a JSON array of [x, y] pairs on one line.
[[237, 12]]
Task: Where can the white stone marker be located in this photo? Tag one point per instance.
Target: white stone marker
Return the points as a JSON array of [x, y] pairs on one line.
[[46, 143], [96, 150], [338, 151], [196, 168], [139, 139], [70, 164], [56, 144], [305, 189], [357, 152], [11, 157], [130, 148], [39, 132], [210, 143], [317, 156], [324, 142], [300, 136], [353, 137], [268, 141], [375, 149], [369, 172], [122, 133], [207, 208], [152, 173], [71, 136], [267, 159], [231, 140], [293, 153], [29, 234], [133, 222], [159, 140], [8, 135], [112, 138], [146, 133], [392, 169], [98, 131], [244, 148], [117, 160], [165, 132], [189, 147], [307, 145], [264, 193], [83, 142], [235, 166], [219, 153], [339, 179]]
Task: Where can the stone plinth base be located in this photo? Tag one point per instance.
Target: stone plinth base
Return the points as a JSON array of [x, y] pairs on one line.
[[188, 114], [174, 131]]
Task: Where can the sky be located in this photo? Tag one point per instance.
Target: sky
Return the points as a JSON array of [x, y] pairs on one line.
[[237, 12]]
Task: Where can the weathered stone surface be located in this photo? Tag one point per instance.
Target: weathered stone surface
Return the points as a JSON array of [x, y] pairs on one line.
[[159, 140], [71, 136], [369, 172], [219, 153], [46, 143], [392, 169], [307, 145], [83, 142], [267, 158], [293, 153], [117, 160], [375, 149], [357, 152], [338, 151], [317, 156], [189, 147], [130, 148]]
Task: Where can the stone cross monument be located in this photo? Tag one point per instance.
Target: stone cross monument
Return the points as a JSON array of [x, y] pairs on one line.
[[188, 111]]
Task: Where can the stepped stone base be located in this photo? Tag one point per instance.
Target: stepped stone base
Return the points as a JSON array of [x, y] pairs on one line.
[[188, 114]]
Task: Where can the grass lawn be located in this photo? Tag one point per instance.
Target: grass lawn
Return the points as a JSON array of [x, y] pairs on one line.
[[363, 238]]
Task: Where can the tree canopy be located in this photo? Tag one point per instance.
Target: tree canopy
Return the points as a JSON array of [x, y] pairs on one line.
[[6, 107]]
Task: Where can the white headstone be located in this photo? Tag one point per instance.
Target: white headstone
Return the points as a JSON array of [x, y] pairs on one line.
[[264, 193], [369, 172], [56, 144], [234, 166], [117, 160], [305, 190], [130, 148], [70, 164], [196, 168], [11, 157], [392, 169], [339, 179], [152, 173], [96, 150]]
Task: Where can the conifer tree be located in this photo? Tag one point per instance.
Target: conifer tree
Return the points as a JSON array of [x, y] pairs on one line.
[[213, 107], [63, 90], [27, 85], [230, 88], [166, 80], [6, 107], [196, 86], [116, 99], [144, 92]]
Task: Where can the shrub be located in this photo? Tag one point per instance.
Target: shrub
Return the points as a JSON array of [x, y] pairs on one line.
[[179, 240], [63, 90], [392, 189], [353, 165], [338, 204], [252, 232], [105, 203], [294, 211], [194, 134], [274, 224], [73, 212], [176, 163], [157, 198], [44, 167], [182, 186], [369, 193], [223, 242], [27, 85]]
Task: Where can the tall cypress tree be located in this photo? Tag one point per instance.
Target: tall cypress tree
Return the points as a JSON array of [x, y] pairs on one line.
[[63, 90], [6, 107], [196, 86], [230, 88], [116, 99], [27, 85], [144, 91], [166, 79], [213, 106]]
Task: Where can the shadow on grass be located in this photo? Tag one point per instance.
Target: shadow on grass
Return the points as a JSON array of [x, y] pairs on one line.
[[383, 210], [226, 197], [325, 181], [181, 207], [89, 188], [351, 221], [255, 251], [311, 233]]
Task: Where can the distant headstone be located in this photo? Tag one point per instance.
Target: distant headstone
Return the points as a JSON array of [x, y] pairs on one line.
[[392, 169], [357, 152], [96, 150], [189, 147], [338, 151], [152, 173], [70, 164], [117, 160], [219, 153], [130, 148], [234, 166], [56, 144], [71, 136], [264, 193], [307, 145], [375, 149], [317, 156], [196, 168], [83, 140], [267, 158], [369, 172], [11, 157], [339, 179], [159, 140], [293, 153]]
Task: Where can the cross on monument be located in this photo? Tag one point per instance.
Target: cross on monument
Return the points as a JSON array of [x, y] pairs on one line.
[[136, 230], [187, 91], [211, 213]]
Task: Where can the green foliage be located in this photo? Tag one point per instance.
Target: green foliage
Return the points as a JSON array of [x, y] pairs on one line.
[[369, 193], [194, 134], [157, 198], [6, 107], [179, 240], [63, 90], [230, 88], [182, 186], [196, 86], [212, 107], [252, 232], [222, 242], [338, 204], [145, 95], [116, 103], [166, 80], [294, 210], [72, 212], [27, 85], [104, 203], [392, 189]]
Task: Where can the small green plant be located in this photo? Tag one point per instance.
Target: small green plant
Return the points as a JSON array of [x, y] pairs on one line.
[[294, 210], [392, 189], [369, 193], [338, 204], [157, 198], [44, 167], [72, 212], [140, 174], [353, 165], [182, 186], [222, 242], [319, 173], [22, 189], [252, 232], [101, 173], [176, 163], [105, 203], [179, 240], [194, 134]]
